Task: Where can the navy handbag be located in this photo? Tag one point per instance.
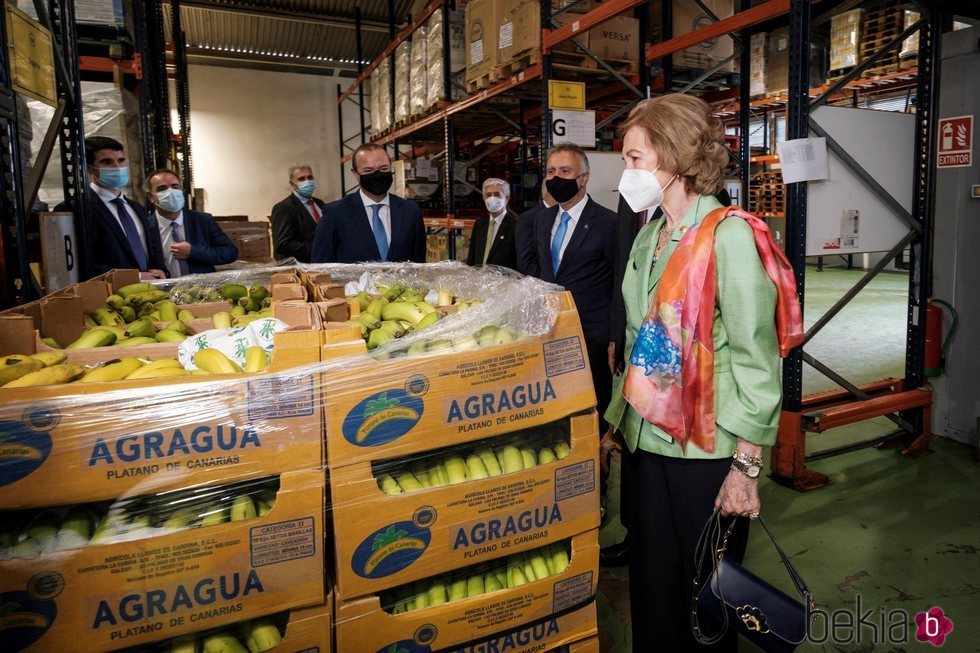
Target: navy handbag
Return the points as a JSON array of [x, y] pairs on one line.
[[734, 596]]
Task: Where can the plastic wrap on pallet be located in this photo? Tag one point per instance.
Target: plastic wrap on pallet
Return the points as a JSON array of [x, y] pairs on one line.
[[419, 82], [383, 79], [435, 71], [910, 46], [845, 39], [403, 87], [372, 90]]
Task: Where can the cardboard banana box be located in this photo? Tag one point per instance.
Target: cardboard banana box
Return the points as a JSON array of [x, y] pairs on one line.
[[590, 645], [560, 632], [446, 528], [104, 597], [384, 409], [105, 440], [363, 626]]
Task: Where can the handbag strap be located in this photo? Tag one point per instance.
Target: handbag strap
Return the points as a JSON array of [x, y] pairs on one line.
[[794, 575]]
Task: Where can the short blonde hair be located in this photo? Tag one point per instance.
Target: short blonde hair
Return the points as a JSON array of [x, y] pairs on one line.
[[689, 140]]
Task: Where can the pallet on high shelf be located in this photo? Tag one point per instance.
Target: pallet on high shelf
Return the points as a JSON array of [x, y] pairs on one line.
[[582, 62], [520, 61], [492, 76]]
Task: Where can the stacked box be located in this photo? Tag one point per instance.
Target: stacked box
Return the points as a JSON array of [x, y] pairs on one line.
[[418, 82], [100, 12], [777, 61], [483, 19], [382, 82], [375, 111], [403, 92], [686, 17], [434, 54], [845, 39], [910, 47]]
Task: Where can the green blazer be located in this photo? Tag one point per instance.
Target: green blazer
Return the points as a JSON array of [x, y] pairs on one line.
[[748, 392]]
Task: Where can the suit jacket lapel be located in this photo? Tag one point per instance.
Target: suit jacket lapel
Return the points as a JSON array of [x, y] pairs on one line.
[[661, 263], [503, 233], [545, 220], [581, 231], [113, 222], [363, 229]]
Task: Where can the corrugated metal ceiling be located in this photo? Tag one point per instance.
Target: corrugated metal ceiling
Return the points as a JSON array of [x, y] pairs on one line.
[[294, 33]]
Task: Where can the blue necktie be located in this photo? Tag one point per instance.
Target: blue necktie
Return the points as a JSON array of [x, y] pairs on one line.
[[132, 235], [178, 237], [379, 231], [558, 240]]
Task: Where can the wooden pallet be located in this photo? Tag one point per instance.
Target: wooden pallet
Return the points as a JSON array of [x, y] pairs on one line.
[[492, 76], [581, 62], [519, 62]]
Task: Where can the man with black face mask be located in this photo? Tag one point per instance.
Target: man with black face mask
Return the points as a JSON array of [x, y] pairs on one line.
[[372, 224], [575, 247]]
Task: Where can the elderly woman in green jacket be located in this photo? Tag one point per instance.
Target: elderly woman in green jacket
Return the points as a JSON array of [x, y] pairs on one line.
[[695, 407]]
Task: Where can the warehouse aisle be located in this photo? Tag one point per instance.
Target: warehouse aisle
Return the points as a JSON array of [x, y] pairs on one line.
[[903, 535]]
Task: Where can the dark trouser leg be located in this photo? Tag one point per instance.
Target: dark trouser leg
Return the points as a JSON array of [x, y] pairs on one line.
[[601, 377], [671, 501]]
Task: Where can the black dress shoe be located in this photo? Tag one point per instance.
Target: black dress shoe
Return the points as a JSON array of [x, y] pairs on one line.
[[614, 555]]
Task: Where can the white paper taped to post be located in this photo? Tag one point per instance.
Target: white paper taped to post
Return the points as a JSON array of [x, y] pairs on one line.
[[803, 159]]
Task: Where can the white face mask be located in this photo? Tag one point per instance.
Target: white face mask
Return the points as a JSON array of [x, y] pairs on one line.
[[495, 204], [641, 189]]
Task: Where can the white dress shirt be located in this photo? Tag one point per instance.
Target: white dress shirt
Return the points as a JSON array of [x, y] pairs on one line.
[[107, 196], [384, 213], [309, 209], [167, 239], [574, 213]]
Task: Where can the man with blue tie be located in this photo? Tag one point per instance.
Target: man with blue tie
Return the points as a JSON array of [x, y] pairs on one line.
[[372, 224], [575, 247], [192, 241], [122, 234]]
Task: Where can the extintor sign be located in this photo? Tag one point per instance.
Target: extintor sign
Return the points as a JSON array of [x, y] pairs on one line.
[[955, 142]]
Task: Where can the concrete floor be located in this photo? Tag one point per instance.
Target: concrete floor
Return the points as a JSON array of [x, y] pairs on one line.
[[901, 535]]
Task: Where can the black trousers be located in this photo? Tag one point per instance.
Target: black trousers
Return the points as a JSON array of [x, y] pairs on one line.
[[601, 376], [671, 499]]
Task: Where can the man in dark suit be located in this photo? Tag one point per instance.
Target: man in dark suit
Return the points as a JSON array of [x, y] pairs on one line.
[[192, 241], [122, 234], [527, 258], [493, 235], [372, 224], [576, 248], [294, 219]]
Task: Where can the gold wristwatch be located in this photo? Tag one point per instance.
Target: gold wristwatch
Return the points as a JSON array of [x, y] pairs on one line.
[[751, 466]]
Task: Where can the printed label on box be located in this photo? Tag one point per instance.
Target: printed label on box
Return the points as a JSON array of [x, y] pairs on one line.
[[574, 480], [572, 591], [506, 35], [280, 396], [283, 541], [563, 356], [476, 51]]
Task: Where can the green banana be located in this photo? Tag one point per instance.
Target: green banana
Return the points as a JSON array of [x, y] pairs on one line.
[[54, 375], [539, 566], [457, 589], [429, 320], [262, 636], [403, 311], [114, 370], [363, 299], [437, 594], [250, 304], [115, 302], [393, 292], [491, 583], [137, 340], [168, 310], [486, 335], [503, 336], [376, 305], [44, 530], [234, 291], [411, 295], [475, 585], [141, 328], [175, 325], [107, 317], [26, 548], [529, 457], [408, 483], [513, 461], [148, 297], [183, 518], [475, 468], [169, 335], [184, 315], [546, 455], [389, 485], [361, 327], [515, 574], [437, 476], [369, 320], [490, 461], [223, 642], [561, 450], [465, 343], [378, 338], [237, 310], [258, 292], [456, 470], [183, 645], [127, 313], [133, 289], [559, 559], [392, 327], [15, 366], [51, 342], [214, 516], [243, 508]]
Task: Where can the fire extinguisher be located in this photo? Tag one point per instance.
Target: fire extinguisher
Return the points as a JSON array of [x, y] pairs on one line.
[[936, 345]]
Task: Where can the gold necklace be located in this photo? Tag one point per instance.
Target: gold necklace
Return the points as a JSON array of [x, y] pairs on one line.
[[665, 235]]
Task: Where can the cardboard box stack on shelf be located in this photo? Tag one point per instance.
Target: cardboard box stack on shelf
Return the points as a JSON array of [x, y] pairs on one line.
[[444, 530], [910, 46], [140, 510], [371, 90], [777, 61], [758, 71], [482, 25], [687, 16], [434, 55], [845, 40], [418, 84], [252, 239], [381, 83], [403, 85]]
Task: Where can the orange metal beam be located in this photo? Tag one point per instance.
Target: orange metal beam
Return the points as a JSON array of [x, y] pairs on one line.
[[408, 129], [402, 35], [607, 10], [526, 75], [734, 23], [839, 395], [822, 420], [132, 66]]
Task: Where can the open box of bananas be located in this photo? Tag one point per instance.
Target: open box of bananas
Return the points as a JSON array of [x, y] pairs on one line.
[[439, 354], [402, 519], [474, 602], [90, 425], [124, 573]]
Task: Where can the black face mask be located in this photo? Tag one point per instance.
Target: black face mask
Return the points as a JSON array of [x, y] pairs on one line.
[[378, 182], [562, 189]]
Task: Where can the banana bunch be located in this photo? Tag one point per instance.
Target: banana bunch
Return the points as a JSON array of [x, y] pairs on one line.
[[513, 571], [262, 634], [393, 313], [45, 368], [31, 533], [474, 462]]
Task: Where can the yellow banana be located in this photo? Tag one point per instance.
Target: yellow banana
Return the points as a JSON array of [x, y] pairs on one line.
[[183, 518], [561, 450], [44, 530], [88, 321], [184, 315], [169, 335], [113, 370], [437, 594], [475, 468], [408, 482], [513, 462], [389, 485], [127, 313], [142, 327], [221, 320], [223, 642], [403, 311], [214, 516], [377, 338], [51, 342], [489, 461], [114, 301], [559, 559], [529, 457], [428, 320], [148, 297], [242, 508], [491, 583], [15, 366], [147, 371], [465, 343], [175, 325], [411, 295], [445, 298], [475, 585], [168, 310], [256, 359], [515, 573], [455, 469], [237, 310], [215, 362], [369, 320], [263, 636], [503, 336], [97, 337], [393, 327], [159, 373], [64, 373], [392, 292], [107, 317], [134, 288], [539, 566], [457, 589], [486, 335], [137, 340], [546, 455]]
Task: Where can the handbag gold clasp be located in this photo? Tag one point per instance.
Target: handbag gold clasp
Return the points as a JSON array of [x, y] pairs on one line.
[[753, 619]]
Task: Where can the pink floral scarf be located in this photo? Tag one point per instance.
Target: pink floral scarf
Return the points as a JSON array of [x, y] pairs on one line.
[[670, 378]]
